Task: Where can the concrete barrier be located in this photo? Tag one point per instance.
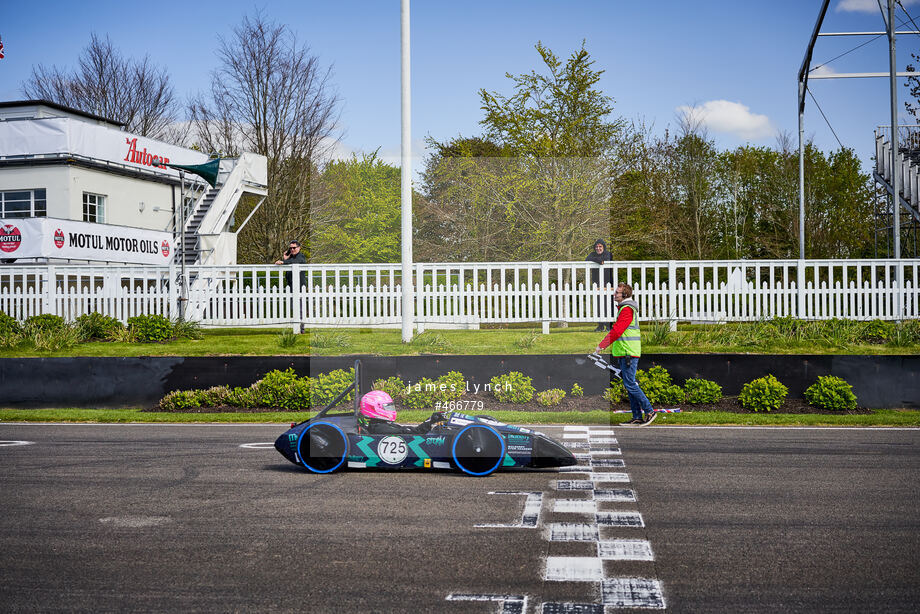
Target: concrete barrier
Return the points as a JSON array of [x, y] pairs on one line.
[[878, 381]]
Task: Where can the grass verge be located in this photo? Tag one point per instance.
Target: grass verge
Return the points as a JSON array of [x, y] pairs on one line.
[[880, 417]]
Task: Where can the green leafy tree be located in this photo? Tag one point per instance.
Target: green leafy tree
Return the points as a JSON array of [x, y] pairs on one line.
[[537, 184], [359, 205]]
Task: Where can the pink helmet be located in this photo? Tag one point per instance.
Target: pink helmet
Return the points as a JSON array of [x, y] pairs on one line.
[[378, 404]]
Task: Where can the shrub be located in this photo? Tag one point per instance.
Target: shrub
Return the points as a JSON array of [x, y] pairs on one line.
[[551, 397], [393, 386], [186, 329], [455, 386], [327, 386], [577, 391], [287, 339], [9, 325], [52, 339], [281, 389], [179, 400], [150, 328], [702, 391], [332, 339], [528, 340], [97, 326], [763, 394], [43, 323], [615, 393], [906, 333], [423, 393], [831, 392], [240, 397], [214, 396], [657, 385], [513, 387], [876, 331]]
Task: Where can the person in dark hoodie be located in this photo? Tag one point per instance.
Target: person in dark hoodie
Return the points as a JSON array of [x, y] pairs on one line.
[[600, 255]]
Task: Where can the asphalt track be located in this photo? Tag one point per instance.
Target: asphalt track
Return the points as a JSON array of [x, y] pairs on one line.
[[182, 518]]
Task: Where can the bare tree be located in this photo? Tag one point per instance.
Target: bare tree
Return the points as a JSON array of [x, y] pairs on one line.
[[270, 96], [134, 92]]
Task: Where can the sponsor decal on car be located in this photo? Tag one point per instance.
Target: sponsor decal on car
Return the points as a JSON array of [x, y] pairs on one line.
[[435, 441]]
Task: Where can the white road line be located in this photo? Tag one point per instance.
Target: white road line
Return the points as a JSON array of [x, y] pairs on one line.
[[598, 440], [575, 506], [510, 604], [573, 532], [619, 477], [263, 445], [574, 435], [608, 462], [632, 593], [572, 608], [576, 469], [573, 485], [574, 569], [11, 443], [600, 432], [625, 550], [570, 427], [620, 519], [615, 495]]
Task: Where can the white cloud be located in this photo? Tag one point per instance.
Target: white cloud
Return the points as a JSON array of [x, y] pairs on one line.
[[867, 6], [822, 71], [730, 118]]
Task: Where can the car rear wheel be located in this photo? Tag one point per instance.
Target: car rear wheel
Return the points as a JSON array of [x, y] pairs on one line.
[[478, 450], [322, 447]]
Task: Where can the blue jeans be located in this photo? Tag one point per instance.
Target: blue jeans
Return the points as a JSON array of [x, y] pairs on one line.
[[638, 402]]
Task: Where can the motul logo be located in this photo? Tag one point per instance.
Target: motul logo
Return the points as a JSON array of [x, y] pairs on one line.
[[142, 157], [10, 238]]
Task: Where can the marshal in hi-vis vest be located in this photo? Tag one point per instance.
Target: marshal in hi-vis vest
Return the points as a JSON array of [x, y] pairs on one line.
[[630, 342]]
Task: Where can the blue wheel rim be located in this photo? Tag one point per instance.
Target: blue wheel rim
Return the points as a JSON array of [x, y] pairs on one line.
[[300, 441], [501, 456]]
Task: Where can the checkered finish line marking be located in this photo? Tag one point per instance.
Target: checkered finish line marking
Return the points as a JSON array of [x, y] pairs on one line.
[[509, 604], [530, 518], [616, 592]]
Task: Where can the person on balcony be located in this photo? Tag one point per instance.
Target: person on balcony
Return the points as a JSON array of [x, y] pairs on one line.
[[293, 255], [600, 255]]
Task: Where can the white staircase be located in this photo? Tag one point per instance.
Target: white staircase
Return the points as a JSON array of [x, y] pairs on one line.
[[906, 166], [208, 239]]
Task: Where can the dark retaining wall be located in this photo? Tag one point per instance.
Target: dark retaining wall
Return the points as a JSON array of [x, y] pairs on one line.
[[878, 381]]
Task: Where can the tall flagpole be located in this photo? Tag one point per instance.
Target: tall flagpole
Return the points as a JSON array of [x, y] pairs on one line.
[[408, 309]]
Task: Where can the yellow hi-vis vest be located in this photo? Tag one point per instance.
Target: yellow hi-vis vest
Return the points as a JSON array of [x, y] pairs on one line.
[[630, 342]]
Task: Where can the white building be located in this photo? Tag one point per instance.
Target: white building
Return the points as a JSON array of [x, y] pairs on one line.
[[75, 187]]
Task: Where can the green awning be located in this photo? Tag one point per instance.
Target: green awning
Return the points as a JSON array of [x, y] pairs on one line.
[[207, 171]]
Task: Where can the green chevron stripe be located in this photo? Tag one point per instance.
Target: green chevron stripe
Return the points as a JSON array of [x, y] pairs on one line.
[[508, 462], [417, 450], [372, 458]]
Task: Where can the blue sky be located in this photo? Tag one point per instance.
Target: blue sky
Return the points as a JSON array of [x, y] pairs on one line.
[[735, 61]]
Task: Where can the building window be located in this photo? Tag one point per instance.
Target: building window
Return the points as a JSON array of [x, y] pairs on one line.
[[23, 203], [93, 208]]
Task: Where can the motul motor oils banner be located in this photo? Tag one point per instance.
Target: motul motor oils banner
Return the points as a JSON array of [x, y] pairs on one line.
[[45, 237]]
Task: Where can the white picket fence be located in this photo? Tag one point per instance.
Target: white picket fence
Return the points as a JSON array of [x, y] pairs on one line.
[[469, 294]]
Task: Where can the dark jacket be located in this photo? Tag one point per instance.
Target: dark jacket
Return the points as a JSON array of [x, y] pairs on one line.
[[601, 258], [298, 258]]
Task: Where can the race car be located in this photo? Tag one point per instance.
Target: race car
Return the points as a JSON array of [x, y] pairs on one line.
[[370, 437]]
